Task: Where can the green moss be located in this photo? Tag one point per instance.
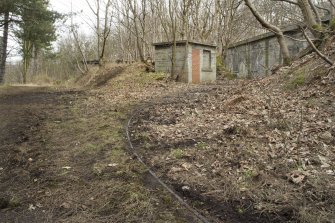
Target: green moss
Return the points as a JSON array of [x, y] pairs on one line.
[[14, 202], [222, 70], [298, 79], [202, 145], [249, 174], [219, 64], [240, 210], [249, 76], [230, 75], [317, 27], [150, 77], [117, 153], [332, 24], [167, 200], [178, 153], [143, 136], [287, 61]]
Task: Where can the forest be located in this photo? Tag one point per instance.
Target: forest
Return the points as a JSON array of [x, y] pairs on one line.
[[126, 30], [93, 129]]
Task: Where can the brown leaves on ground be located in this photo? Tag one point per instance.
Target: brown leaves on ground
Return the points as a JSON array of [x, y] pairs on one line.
[[249, 140]]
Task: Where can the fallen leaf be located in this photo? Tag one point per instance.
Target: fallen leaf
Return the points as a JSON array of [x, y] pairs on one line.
[[31, 207], [186, 166], [297, 177], [176, 170], [66, 167]]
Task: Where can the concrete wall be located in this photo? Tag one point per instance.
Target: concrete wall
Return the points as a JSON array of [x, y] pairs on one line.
[[1, 41], [163, 61], [258, 56]]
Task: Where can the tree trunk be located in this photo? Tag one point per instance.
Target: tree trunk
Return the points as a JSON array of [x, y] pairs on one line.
[[3, 55], [174, 75], [284, 49], [106, 32], [279, 34], [309, 17], [138, 43], [27, 48]]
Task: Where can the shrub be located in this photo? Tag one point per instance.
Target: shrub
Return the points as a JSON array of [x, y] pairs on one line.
[[298, 79]]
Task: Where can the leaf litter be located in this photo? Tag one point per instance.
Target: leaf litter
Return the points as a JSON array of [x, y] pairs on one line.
[[252, 141]]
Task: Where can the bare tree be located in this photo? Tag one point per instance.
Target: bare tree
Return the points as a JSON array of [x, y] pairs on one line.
[[3, 47], [277, 31], [102, 30]]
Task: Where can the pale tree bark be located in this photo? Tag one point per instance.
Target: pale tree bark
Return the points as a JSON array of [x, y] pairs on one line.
[[333, 6], [3, 55], [96, 12], [27, 55], [78, 45], [134, 9], [101, 35], [310, 13], [309, 16], [315, 11], [173, 22], [230, 29], [277, 31], [203, 19], [185, 15], [105, 33]]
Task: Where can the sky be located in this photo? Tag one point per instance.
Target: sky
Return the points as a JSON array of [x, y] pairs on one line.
[[80, 7], [62, 6]]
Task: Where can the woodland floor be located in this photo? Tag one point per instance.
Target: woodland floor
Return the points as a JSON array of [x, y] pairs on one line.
[[61, 160], [237, 150]]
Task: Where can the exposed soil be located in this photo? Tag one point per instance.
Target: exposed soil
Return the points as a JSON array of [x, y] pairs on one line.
[[237, 151], [63, 159]]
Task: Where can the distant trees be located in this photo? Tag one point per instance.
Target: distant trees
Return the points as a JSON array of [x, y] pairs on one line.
[[102, 26], [125, 30], [32, 24], [35, 31], [7, 9], [3, 45]]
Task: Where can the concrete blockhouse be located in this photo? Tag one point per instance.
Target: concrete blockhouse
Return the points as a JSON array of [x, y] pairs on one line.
[[257, 56], [195, 62]]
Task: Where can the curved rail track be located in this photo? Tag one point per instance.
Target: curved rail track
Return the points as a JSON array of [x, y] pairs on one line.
[[133, 151]]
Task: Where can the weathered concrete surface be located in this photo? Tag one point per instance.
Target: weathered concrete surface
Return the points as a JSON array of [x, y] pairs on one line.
[[259, 55], [185, 62]]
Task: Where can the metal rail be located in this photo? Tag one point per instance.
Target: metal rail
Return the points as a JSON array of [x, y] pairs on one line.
[[131, 148]]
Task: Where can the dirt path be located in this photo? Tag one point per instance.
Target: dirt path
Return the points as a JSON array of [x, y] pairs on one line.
[[63, 159]]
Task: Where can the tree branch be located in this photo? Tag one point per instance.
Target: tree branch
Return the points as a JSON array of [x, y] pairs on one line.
[[317, 15], [331, 2], [322, 8], [324, 57], [288, 1]]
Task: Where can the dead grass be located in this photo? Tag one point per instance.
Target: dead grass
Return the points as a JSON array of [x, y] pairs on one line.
[[81, 170], [251, 141]]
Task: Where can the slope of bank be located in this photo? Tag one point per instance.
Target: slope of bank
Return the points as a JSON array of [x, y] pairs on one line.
[[243, 147]]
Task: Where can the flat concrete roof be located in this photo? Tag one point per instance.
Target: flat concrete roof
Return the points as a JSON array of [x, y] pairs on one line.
[[285, 29], [264, 36], [181, 42]]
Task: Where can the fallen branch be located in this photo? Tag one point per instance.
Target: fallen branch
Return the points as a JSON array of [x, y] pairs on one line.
[[318, 52]]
